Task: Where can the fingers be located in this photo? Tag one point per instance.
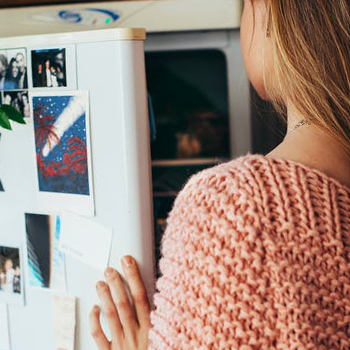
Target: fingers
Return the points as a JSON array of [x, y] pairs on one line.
[[110, 311], [138, 291], [121, 300], [96, 329]]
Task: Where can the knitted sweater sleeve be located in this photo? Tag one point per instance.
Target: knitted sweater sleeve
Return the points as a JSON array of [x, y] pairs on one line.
[[208, 268]]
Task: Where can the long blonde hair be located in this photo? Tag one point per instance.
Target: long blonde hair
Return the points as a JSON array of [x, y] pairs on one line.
[[311, 50]]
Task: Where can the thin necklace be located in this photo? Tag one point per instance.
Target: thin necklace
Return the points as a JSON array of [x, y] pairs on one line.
[[298, 125]]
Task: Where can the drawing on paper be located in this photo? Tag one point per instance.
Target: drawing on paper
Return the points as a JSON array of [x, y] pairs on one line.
[[10, 270], [61, 143], [45, 260]]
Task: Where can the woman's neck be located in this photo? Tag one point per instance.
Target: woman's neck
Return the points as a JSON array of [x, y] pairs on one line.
[[313, 147]]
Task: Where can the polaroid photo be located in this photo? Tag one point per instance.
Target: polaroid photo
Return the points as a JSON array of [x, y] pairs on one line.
[[11, 275], [62, 151], [45, 261], [13, 69], [53, 68]]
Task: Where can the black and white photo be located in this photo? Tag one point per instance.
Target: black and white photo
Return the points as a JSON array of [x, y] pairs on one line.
[[13, 69], [49, 68], [18, 100]]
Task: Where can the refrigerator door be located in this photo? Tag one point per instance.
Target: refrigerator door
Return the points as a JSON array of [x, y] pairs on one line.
[[109, 65]]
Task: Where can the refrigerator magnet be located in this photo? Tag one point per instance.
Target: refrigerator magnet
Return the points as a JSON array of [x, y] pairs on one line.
[[62, 151]]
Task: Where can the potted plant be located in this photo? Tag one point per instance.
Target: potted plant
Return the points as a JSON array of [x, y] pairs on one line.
[[8, 113]]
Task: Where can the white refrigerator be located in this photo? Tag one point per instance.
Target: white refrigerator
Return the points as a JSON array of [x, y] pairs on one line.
[[100, 77]]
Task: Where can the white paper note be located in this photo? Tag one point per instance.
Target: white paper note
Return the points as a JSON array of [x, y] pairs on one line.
[[4, 328], [85, 240], [64, 322]]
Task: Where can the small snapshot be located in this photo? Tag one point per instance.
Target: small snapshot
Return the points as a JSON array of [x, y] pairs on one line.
[[49, 68], [13, 69], [45, 260], [18, 100], [11, 283]]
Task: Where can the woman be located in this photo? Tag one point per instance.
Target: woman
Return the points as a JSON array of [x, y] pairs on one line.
[[256, 254], [12, 76]]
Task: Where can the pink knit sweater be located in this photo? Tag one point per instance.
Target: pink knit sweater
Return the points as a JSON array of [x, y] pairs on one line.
[[256, 256]]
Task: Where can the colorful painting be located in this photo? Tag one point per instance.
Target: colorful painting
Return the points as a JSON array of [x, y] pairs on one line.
[[60, 127]]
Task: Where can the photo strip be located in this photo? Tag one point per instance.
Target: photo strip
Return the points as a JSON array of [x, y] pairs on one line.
[[62, 151], [11, 276], [45, 261], [13, 69], [49, 68]]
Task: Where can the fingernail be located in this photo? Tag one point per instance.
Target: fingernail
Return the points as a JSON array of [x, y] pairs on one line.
[[108, 272], [127, 261], [100, 285]]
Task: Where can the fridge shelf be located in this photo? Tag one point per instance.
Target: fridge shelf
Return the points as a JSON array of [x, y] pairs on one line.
[[182, 162], [165, 194]]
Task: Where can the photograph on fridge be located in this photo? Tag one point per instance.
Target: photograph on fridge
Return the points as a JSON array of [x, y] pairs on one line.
[[13, 69], [45, 261], [19, 100], [11, 276], [62, 150], [49, 68]]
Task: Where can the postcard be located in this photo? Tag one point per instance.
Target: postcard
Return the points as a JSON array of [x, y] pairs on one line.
[[45, 261], [63, 152], [86, 240]]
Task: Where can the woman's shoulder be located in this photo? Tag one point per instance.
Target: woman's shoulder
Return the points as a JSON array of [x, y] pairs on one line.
[[257, 176], [241, 176]]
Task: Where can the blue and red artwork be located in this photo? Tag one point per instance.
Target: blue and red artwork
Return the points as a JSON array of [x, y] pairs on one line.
[[61, 144]]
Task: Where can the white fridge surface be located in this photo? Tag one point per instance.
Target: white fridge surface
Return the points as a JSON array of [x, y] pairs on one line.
[[110, 66]]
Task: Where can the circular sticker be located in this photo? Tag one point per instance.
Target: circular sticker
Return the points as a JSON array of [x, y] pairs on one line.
[[86, 17]]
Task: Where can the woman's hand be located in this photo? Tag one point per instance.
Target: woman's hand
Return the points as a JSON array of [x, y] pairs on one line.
[[127, 332]]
